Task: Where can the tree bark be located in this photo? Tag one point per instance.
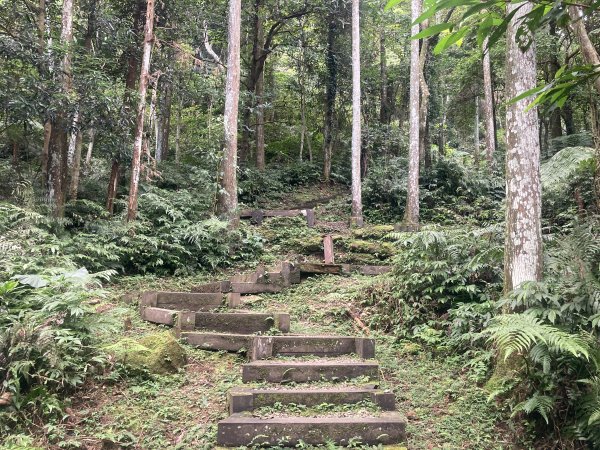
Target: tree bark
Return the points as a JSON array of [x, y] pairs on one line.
[[424, 151], [228, 194], [523, 246], [141, 110], [488, 107], [331, 93], [163, 122], [476, 133], [178, 132], [112, 186], [357, 216], [58, 145], [91, 138], [411, 214], [590, 56], [260, 122], [76, 165]]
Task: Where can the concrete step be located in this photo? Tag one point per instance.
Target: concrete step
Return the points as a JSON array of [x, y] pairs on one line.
[[265, 347], [245, 430], [190, 301], [274, 371], [217, 341], [242, 322], [246, 399]]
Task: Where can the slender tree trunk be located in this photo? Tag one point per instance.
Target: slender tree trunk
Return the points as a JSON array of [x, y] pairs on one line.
[[442, 131], [331, 93], [309, 146], [476, 134], [91, 138], [58, 146], [41, 29], [260, 122], [178, 132], [488, 107], [384, 109], [139, 127], [590, 56], [523, 248], [112, 186], [164, 120], [228, 200], [357, 217], [411, 214], [424, 151], [76, 166], [567, 115]]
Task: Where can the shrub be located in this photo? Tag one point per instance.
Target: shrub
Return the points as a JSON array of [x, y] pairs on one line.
[[47, 331]]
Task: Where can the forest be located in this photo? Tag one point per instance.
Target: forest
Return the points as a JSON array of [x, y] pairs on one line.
[[299, 224]]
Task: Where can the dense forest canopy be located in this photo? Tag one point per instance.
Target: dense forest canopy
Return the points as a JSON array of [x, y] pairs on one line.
[[456, 142]]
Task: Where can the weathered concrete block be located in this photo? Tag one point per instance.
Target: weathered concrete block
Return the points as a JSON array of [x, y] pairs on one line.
[[239, 400], [310, 218], [328, 249], [242, 430], [186, 321], [262, 348], [314, 345], [218, 341], [307, 371], [159, 315], [290, 273], [247, 399], [242, 323], [374, 270], [315, 268], [233, 299], [189, 300], [365, 348], [255, 288], [218, 286], [282, 322], [257, 217], [406, 228]]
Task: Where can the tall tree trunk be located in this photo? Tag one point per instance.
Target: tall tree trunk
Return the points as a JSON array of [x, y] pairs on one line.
[[331, 93], [228, 194], [590, 56], [567, 115], [178, 132], [476, 133], [523, 247], [163, 122], [58, 147], [357, 216], [488, 107], [424, 151], [555, 126], [442, 131], [141, 111], [411, 214], [112, 186], [91, 139], [76, 166], [384, 107], [260, 122], [128, 98], [41, 30]]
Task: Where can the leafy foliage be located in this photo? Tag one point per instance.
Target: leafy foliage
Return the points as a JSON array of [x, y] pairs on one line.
[[47, 331]]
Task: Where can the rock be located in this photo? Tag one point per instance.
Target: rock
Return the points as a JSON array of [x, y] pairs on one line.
[[159, 353]]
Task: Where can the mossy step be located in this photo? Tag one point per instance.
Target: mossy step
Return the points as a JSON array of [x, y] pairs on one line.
[[227, 342], [190, 301], [246, 399], [244, 430], [273, 371], [325, 346], [243, 322]]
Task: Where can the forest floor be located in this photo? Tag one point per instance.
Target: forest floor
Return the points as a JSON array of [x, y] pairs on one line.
[[445, 406]]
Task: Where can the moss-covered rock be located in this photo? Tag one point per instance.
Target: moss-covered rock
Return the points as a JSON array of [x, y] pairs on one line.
[[380, 249], [372, 232], [159, 353]]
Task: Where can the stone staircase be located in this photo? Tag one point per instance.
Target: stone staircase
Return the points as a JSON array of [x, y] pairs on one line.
[[298, 389]]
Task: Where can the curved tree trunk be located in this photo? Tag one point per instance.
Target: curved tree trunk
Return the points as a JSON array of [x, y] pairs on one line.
[[228, 194], [523, 247], [357, 217]]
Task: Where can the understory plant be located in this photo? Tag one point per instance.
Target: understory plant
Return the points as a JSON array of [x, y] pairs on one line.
[[48, 328]]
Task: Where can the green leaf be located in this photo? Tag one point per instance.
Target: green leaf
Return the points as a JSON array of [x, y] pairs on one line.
[[390, 4], [433, 30], [35, 281]]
